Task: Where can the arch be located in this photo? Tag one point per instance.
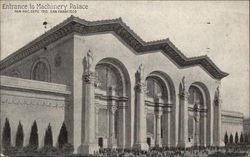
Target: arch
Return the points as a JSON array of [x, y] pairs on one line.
[[205, 93], [160, 112], [200, 114], [167, 84], [122, 71], [116, 107], [41, 70]]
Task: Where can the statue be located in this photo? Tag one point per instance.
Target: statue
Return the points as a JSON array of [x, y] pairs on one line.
[[140, 84], [183, 82], [140, 73], [88, 61], [218, 92], [89, 75], [217, 95]]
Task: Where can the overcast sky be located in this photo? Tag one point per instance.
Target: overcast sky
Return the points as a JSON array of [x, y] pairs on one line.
[[225, 40]]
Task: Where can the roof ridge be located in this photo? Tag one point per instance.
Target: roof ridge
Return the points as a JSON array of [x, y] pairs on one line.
[[73, 23]]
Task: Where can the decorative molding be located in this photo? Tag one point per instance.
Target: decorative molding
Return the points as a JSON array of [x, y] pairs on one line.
[[89, 77], [117, 26], [184, 95], [108, 98], [14, 100], [32, 85], [113, 108]]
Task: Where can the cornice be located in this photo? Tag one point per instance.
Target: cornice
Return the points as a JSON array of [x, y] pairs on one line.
[[117, 26]]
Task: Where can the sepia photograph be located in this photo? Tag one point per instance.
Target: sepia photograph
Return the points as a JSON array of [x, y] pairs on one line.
[[124, 79]]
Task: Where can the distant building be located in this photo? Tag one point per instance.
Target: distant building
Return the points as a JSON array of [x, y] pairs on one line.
[[112, 89]]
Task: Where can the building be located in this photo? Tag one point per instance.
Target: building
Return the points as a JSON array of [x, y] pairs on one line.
[[112, 89]]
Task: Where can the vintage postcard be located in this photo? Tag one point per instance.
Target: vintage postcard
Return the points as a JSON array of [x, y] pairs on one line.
[[129, 78]]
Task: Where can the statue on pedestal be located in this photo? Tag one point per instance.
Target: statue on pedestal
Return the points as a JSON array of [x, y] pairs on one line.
[[184, 90], [88, 75], [217, 96], [140, 83], [88, 61]]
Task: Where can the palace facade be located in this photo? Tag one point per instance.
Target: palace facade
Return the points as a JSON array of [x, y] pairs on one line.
[[111, 89]]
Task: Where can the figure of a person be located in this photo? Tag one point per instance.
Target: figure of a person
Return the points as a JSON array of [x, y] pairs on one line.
[[88, 61]]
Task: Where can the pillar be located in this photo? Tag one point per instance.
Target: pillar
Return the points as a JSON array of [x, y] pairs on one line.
[[112, 110], [166, 126], [183, 115], [217, 119], [122, 124], [88, 139], [96, 123], [197, 126], [140, 117], [158, 114], [203, 131]]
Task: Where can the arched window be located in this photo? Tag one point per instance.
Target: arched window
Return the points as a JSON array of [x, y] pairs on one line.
[[107, 77], [40, 72], [195, 96], [154, 88]]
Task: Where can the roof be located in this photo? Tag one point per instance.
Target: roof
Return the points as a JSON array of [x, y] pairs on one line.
[[117, 26]]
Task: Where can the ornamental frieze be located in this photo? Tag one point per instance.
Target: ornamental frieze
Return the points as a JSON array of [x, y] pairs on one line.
[[26, 101], [89, 77]]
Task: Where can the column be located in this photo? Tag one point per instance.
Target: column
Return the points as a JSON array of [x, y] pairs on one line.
[[88, 138], [166, 123], [140, 117], [217, 119], [203, 128], [183, 115], [158, 122], [112, 110], [122, 124], [96, 122], [197, 126]]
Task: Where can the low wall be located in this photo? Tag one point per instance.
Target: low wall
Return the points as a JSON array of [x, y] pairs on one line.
[[25, 101]]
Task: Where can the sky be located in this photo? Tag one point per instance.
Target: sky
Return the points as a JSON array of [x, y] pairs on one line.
[[219, 29]]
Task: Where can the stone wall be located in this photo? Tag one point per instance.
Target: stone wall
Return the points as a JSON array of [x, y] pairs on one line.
[[25, 101]]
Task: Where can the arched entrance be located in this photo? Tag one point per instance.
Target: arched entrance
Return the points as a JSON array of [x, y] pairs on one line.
[[159, 100], [198, 108], [111, 101]]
